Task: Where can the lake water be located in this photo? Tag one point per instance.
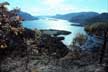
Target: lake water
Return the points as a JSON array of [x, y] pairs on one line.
[[55, 24]]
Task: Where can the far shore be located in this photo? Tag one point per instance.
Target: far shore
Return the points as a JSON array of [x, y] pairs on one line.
[[77, 25]]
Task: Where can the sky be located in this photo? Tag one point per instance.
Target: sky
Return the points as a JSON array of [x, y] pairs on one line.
[[53, 7]]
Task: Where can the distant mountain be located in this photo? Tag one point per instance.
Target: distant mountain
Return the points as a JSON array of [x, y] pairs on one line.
[[27, 16], [83, 17], [99, 18], [80, 17]]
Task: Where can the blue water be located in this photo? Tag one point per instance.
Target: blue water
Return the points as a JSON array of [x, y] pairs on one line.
[[55, 24]]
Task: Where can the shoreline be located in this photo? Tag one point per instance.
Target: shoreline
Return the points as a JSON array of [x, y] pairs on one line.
[[76, 25]]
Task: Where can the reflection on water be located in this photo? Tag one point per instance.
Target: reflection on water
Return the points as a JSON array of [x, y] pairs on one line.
[[48, 24], [55, 24]]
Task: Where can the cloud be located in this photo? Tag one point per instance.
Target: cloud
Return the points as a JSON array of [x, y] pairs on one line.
[[53, 7], [50, 7], [61, 9], [53, 2]]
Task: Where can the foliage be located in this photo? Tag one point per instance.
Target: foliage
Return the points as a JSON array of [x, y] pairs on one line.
[[99, 29], [79, 39]]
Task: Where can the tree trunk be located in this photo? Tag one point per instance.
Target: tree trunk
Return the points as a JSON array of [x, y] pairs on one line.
[[103, 48]]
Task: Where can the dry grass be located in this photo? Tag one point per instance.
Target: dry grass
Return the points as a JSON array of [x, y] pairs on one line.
[[35, 70]]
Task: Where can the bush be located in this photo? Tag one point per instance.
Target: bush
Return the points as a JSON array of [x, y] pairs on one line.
[[79, 40]]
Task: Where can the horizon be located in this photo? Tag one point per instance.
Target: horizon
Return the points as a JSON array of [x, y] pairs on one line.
[[48, 7], [67, 13]]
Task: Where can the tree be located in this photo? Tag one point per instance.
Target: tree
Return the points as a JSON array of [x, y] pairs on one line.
[[100, 30], [2, 6], [15, 11], [79, 39], [10, 23]]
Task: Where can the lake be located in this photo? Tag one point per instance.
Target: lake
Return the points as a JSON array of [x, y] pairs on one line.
[[49, 23]]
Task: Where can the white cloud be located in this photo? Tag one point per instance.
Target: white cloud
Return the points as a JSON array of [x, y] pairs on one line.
[[53, 2], [49, 11], [52, 7]]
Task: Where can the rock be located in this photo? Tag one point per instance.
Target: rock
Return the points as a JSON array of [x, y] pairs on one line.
[[53, 45], [55, 32]]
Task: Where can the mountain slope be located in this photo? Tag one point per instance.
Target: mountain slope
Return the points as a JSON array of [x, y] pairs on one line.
[[82, 17], [27, 16], [99, 18], [75, 16]]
